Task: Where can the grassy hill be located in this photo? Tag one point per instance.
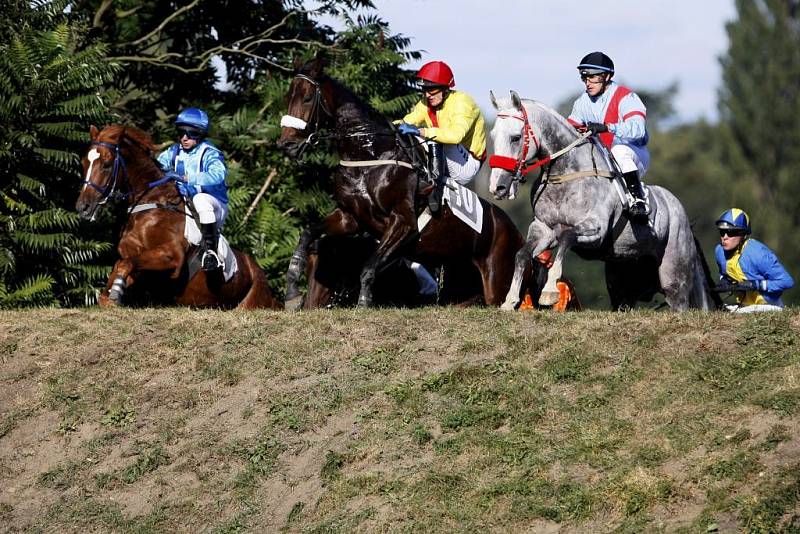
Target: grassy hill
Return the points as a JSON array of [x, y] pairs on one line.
[[428, 420]]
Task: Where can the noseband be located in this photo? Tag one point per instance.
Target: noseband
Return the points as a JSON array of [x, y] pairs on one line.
[[289, 121]]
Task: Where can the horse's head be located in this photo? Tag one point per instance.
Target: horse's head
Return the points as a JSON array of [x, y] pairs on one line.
[[309, 108], [106, 165], [514, 144], [526, 136]]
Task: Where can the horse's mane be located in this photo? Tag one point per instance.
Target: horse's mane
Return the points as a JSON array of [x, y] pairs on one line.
[[368, 112], [132, 134], [506, 105]]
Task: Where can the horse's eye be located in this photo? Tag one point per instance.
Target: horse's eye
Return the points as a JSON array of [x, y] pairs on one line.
[[307, 99], [515, 138]]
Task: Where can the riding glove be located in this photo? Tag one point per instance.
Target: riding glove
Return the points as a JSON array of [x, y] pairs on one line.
[[596, 127], [747, 285], [408, 129], [186, 189], [174, 176]]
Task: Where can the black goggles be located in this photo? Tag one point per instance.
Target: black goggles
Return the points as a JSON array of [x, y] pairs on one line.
[[731, 232], [190, 133]]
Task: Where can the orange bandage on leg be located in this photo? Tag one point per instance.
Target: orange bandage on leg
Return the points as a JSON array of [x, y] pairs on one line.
[[546, 258]]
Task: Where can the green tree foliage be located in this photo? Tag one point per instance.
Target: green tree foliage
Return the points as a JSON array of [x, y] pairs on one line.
[[760, 101], [49, 94], [367, 58]]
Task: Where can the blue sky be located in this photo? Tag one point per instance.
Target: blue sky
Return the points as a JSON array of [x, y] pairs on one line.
[[533, 46]]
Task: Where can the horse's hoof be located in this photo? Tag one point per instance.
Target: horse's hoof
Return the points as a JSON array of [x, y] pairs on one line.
[[364, 302], [548, 298], [293, 304], [104, 302], [509, 306]]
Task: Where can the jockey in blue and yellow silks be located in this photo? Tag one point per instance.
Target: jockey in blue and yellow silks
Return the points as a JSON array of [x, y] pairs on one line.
[[749, 266], [617, 116], [201, 170], [452, 120]]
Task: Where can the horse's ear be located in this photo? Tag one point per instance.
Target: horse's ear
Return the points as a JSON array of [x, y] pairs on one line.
[[493, 99], [93, 132], [297, 63], [516, 100], [316, 65]]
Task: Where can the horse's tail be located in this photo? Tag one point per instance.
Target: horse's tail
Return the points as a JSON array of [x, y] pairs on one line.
[[718, 304], [259, 294]]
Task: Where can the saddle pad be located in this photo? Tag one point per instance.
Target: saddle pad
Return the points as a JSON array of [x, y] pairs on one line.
[[465, 204], [192, 234]]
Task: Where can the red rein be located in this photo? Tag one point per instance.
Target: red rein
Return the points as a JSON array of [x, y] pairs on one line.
[[517, 165]]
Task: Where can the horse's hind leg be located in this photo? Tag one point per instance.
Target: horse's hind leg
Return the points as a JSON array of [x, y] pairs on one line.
[[335, 223], [676, 274], [258, 294], [540, 238]]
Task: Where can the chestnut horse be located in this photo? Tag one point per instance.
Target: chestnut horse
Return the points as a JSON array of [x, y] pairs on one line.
[[384, 199], [152, 247]]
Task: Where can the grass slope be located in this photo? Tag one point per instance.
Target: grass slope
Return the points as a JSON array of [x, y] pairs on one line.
[[428, 420]]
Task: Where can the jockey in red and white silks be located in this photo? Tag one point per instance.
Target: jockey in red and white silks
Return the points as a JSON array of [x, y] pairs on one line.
[[624, 114], [618, 117]]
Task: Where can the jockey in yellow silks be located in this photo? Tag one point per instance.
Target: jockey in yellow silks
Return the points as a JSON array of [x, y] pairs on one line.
[[451, 119]]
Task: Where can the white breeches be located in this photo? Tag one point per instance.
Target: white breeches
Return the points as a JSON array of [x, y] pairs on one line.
[[461, 165], [632, 158], [209, 209]]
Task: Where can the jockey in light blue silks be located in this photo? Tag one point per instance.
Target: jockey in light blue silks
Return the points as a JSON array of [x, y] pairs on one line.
[[201, 168], [617, 115], [748, 267]]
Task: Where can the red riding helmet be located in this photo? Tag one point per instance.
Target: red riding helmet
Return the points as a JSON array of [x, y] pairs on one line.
[[436, 73]]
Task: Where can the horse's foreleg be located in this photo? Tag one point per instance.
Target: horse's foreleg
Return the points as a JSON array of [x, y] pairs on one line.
[[540, 238], [167, 257], [550, 294], [398, 230], [335, 223]]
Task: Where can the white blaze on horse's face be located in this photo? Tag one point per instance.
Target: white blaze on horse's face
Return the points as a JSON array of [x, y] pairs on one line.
[[507, 140], [92, 156]]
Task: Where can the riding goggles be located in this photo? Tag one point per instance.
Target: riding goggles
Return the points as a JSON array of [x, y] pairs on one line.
[[731, 232], [190, 133], [593, 78]]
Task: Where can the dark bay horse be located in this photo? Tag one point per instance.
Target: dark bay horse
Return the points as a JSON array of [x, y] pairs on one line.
[[152, 247], [575, 204], [383, 199]]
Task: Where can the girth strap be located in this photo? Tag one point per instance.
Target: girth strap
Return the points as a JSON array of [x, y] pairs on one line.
[[561, 178], [373, 162]]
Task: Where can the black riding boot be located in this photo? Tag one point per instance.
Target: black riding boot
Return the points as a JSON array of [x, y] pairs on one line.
[[210, 260], [639, 208], [440, 170]]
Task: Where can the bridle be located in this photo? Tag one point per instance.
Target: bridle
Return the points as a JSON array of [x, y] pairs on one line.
[[522, 164], [318, 107], [109, 187]]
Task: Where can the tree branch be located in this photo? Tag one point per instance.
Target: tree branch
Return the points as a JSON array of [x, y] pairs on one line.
[[178, 12]]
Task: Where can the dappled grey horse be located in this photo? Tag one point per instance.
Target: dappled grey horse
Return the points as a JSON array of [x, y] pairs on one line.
[[577, 204]]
